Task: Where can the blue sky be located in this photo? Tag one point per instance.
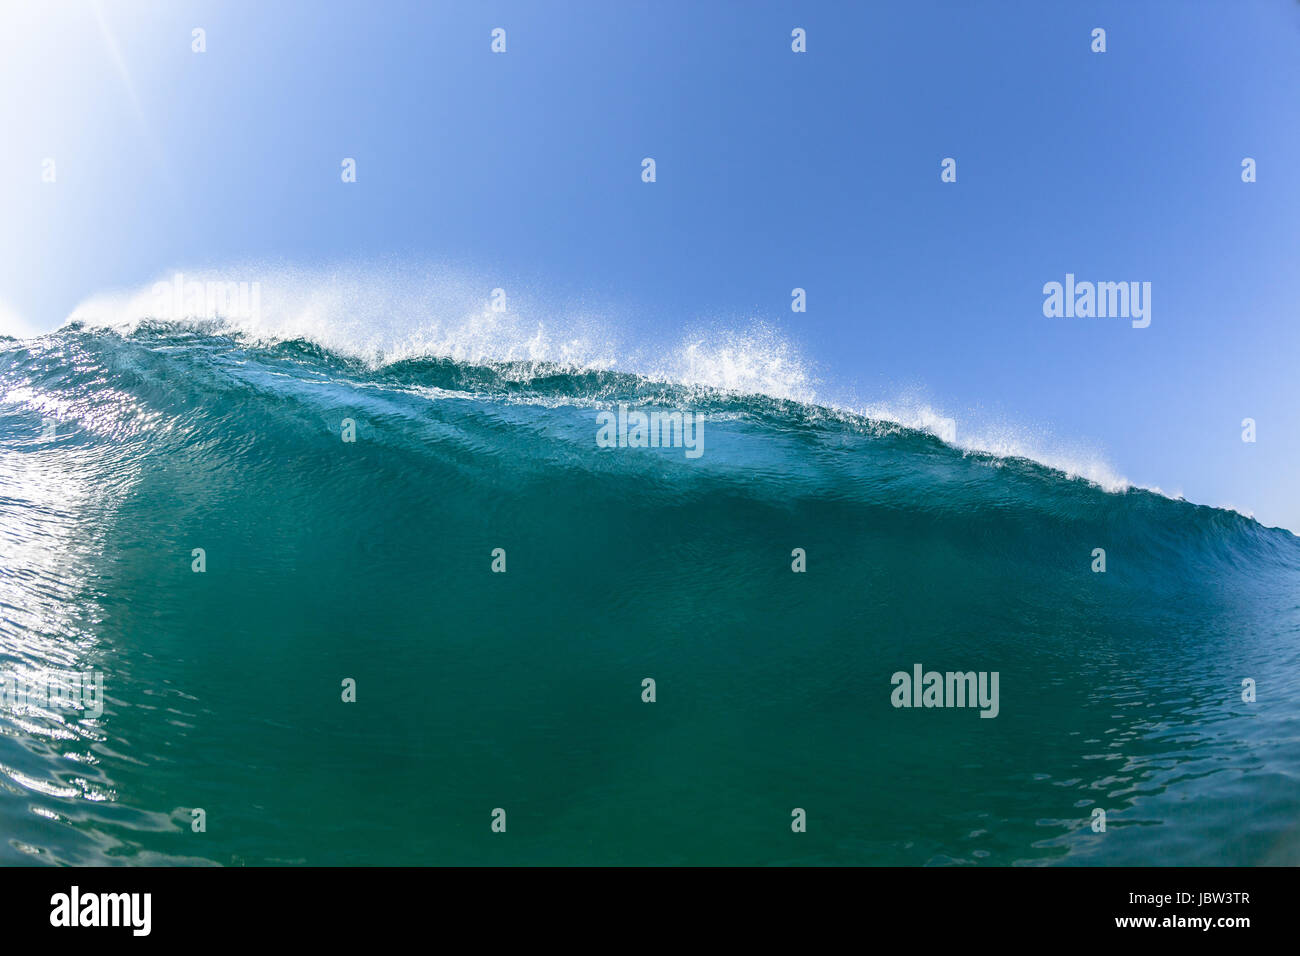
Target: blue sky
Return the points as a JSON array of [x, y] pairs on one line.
[[775, 170]]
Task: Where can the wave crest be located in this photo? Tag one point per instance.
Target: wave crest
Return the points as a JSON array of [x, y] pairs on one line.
[[389, 314]]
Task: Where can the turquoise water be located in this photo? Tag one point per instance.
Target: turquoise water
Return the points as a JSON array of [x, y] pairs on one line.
[[371, 560]]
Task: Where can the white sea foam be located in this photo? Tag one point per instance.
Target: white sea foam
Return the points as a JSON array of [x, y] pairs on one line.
[[751, 361], [1074, 460], [385, 313], [378, 314]]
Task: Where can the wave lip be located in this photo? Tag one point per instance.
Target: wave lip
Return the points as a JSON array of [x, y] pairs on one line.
[[732, 375], [394, 316]]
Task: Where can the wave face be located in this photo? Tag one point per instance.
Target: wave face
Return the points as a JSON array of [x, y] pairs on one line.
[[371, 560]]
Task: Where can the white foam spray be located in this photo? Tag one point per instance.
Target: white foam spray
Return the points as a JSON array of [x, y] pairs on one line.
[[389, 312]]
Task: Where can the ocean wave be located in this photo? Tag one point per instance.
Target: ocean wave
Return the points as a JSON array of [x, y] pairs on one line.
[[398, 314], [128, 452]]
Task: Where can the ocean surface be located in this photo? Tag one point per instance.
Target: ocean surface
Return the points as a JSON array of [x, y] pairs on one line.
[[121, 452]]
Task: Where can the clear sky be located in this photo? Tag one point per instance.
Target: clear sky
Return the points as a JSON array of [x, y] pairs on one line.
[[775, 170]]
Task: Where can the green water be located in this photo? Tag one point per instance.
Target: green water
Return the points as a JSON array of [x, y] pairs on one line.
[[522, 690]]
